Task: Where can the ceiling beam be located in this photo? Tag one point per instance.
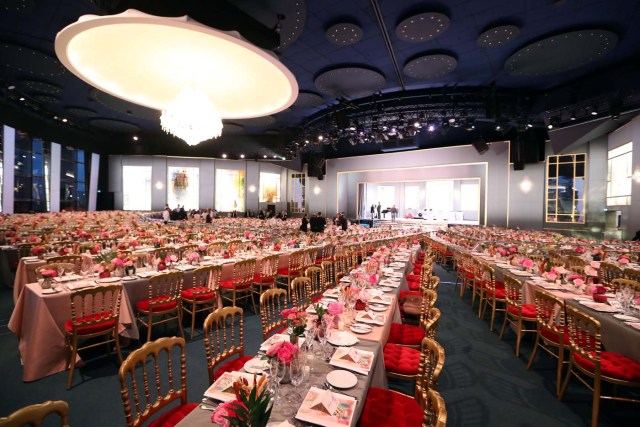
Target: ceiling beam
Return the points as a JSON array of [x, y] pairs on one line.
[[387, 42]]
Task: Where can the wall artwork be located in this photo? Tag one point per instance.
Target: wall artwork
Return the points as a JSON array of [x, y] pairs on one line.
[[184, 187]]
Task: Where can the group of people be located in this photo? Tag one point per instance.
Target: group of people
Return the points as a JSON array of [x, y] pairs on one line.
[[179, 213], [315, 224], [268, 214], [377, 209]]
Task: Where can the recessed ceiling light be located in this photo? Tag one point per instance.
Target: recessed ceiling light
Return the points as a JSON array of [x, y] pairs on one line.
[[264, 157], [242, 156], [224, 156], [135, 138]]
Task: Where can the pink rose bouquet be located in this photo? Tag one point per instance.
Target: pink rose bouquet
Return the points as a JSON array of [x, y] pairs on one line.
[[335, 308], [283, 351], [527, 263]]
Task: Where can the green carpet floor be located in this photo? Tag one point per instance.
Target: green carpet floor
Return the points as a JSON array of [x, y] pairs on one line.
[[482, 382]]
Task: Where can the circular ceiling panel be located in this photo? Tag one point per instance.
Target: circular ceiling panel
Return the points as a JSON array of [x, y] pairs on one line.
[[350, 82], [344, 34], [308, 100], [257, 121], [561, 53], [122, 106], [114, 125], [81, 112], [29, 61], [18, 5], [41, 87], [498, 36], [422, 27], [228, 128], [291, 27], [430, 66], [46, 98]]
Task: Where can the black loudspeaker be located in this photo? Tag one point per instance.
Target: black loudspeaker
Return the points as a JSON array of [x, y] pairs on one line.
[[480, 146], [105, 201], [316, 167], [518, 166]]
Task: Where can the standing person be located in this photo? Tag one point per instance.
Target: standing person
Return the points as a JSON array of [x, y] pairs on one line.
[[207, 219], [304, 223], [373, 211], [321, 222], [394, 212], [342, 220], [379, 208], [166, 214], [261, 214]]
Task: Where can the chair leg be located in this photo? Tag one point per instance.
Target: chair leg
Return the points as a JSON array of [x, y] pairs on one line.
[[565, 384], [117, 342], [533, 353], [493, 315], [72, 364], [149, 327], [504, 325], [596, 402], [560, 365], [180, 321], [193, 319], [518, 338]]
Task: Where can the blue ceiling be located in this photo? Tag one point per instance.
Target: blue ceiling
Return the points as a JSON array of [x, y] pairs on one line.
[[28, 26]]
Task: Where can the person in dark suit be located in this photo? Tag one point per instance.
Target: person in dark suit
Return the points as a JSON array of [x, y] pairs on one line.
[[320, 223], [379, 208], [304, 224], [342, 220], [373, 211]]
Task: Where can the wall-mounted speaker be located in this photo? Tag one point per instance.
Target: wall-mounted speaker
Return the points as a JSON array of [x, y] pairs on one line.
[[480, 146], [518, 166]]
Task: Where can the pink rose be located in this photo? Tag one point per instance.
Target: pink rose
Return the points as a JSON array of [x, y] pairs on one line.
[[334, 308], [273, 350], [527, 263], [513, 250]]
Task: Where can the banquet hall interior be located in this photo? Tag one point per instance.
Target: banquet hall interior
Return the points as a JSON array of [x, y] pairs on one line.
[[464, 173]]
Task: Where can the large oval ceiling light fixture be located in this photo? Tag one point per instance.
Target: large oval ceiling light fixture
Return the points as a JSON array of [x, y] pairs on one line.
[[194, 74]]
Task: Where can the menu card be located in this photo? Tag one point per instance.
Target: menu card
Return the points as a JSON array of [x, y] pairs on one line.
[[222, 388], [325, 408], [353, 359], [382, 299], [371, 318], [390, 283]]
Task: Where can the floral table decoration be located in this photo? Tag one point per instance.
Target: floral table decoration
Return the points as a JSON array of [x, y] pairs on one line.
[[251, 408]]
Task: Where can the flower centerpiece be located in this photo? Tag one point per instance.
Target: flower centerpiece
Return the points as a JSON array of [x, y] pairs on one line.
[[251, 407], [193, 258], [39, 251], [297, 322], [103, 265], [47, 276]]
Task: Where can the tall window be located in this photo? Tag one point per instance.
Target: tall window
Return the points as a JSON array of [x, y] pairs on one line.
[[136, 188], [440, 196], [74, 177], [566, 195], [229, 190], [31, 178], [411, 196], [469, 196], [619, 175], [269, 187], [298, 193], [184, 187], [386, 196]]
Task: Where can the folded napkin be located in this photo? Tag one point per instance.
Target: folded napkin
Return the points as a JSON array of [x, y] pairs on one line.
[[326, 408], [382, 299], [371, 318], [353, 359]]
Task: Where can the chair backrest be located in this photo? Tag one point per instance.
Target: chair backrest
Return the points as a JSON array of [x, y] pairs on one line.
[[431, 363], [607, 272], [488, 276], [513, 292], [575, 261], [316, 281], [584, 336], [329, 274], [549, 312], [243, 271], [300, 290], [340, 264], [327, 252], [165, 251], [308, 258], [34, 415], [269, 266], [295, 262], [76, 260], [26, 249], [620, 283], [272, 302], [632, 274], [435, 411], [166, 285], [216, 248], [97, 305], [429, 322], [68, 267], [207, 277], [433, 283], [223, 337], [149, 376], [185, 250]]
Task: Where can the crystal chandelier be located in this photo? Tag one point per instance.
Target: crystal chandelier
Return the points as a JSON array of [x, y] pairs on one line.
[[191, 117]]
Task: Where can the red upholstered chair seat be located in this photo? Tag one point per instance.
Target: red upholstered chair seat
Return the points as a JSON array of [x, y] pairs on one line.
[[417, 270], [499, 293], [408, 293], [528, 310], [498, 284], [285, 271], [612, 365], [188, 294], [86, 330], [168, 305], [448, 253], [319, 260], [413, 277], [405, 334], [258, 279], [413, 286], [173, 416], [387, 408], [228, 284], [401, 360], [232, 365], [550, 335]]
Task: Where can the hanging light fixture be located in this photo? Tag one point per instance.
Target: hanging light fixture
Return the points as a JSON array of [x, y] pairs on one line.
[[195, 75]]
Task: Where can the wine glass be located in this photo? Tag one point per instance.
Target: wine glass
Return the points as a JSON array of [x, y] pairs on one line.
[[296, 369], [278, 370], [60, 271]]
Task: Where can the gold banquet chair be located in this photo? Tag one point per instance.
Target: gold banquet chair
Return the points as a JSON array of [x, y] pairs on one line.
[[34, 415], [435, 411], [155, 376], [223, 341], [240, 286], [203, 295], [163, 301], [272, 302]]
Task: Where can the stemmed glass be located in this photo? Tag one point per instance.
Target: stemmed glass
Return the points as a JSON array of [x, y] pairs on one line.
[[296, 369]]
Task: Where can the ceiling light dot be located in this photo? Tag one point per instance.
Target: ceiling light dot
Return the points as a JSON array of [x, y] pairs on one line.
[[415, 27], [344, 34]]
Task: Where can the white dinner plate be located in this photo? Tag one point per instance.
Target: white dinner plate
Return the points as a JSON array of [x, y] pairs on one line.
[[361, 328], [256, 365], [342, 338], [342, 379], [128, 278], [109, 279], [385, 289], [378, 307]]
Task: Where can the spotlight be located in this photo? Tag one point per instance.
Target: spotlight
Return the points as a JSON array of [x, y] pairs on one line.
[[264, 157], [320, 138], [594, 110], [224, 155], [431, 128], [135, 138], [417, 125], [573, 116], [242, 156], [499, 128]]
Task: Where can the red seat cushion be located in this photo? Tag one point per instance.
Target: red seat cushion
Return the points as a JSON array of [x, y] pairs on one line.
[[448, 253], [144, 304], [498, 284], [295, 270], [173, 416], [612, 365], [550, 335], [417, 270], [188, 294], [232, 365], [86, 330], [407, 293], [401, 360], [405, 334], [499, 293], [386, 408], [413, 286], [528, 310], [228, 284], [413, 277], [258, 279]]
